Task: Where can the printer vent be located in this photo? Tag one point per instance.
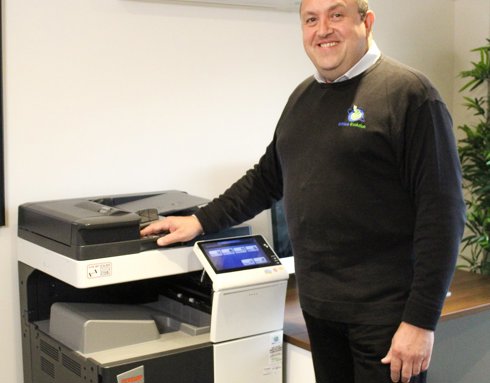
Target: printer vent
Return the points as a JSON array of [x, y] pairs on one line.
[[47, 367], [71, 365], [49, 350]]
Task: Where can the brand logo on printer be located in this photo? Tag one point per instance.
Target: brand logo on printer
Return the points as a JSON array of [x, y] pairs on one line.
[[355, 118], [136, 375]]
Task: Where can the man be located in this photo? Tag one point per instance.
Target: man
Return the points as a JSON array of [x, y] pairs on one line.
[[364, 157]]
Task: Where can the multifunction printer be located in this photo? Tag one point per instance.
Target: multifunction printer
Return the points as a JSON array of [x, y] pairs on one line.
[[100, 304]]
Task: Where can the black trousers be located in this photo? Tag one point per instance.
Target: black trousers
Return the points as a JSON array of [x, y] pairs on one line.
[[351, 353]]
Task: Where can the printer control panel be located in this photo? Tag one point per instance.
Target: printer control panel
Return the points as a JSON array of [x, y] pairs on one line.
[[239, 261], [238, 253]]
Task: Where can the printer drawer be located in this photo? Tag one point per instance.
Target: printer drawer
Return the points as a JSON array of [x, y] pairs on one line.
[[187, 366]]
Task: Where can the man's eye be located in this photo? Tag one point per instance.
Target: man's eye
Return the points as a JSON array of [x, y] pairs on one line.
[[336, 16], [310, 20]]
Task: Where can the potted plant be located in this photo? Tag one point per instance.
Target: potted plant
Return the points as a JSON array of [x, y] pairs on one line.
[[474, 153]]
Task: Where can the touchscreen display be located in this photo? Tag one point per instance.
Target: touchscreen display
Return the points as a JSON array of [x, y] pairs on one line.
[[234, 254]]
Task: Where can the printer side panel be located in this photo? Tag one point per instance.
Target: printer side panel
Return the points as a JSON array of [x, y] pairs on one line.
[[44, 359], [52, 362], [24, 272]]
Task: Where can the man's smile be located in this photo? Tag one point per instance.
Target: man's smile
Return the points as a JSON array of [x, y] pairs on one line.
[[328, 45]]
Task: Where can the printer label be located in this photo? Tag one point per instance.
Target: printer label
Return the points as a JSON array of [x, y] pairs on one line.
[[274, 366], [136, 375], [99, 270]]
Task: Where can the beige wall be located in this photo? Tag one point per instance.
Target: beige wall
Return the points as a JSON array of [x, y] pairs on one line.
[[419, 34], [117, 96]]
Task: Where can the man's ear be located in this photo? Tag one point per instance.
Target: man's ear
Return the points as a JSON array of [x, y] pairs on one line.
[[369, 22]]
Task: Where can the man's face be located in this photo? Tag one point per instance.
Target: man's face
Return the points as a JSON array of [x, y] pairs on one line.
[[335, 35]]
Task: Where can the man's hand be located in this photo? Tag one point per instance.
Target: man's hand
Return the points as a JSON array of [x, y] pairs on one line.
[[180, 229], [410, 352]]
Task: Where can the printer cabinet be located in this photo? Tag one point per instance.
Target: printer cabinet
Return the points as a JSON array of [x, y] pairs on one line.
[[47, 360]]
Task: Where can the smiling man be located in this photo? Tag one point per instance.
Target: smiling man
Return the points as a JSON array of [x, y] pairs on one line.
[[365, 159], [336, 35]]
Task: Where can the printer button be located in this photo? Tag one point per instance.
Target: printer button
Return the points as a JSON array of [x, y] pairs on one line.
[[105, 210]]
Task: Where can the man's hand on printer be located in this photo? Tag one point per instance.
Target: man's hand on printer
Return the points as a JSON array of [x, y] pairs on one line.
[[180, 229]]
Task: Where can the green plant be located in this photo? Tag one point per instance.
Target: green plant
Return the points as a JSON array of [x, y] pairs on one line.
[[474, 153]]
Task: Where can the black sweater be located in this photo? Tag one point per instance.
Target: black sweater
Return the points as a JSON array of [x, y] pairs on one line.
[[371, 181]]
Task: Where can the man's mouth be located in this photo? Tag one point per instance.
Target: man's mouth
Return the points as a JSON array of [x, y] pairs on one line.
[[328, 45]]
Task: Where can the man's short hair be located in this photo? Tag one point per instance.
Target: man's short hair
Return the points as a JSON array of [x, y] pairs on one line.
[[363, 7]]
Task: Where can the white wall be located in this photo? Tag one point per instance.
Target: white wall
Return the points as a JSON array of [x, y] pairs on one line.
[[119, 96]]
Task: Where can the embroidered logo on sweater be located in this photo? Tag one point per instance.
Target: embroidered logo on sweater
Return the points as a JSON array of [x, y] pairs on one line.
[[355, 118]]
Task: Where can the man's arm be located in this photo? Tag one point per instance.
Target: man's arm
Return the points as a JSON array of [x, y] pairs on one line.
[[254, 192], [433, 174]]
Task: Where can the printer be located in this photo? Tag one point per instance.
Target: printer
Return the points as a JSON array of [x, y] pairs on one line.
[[99, 304]]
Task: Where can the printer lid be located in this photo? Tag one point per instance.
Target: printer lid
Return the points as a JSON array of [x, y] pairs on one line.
[[95, 227]]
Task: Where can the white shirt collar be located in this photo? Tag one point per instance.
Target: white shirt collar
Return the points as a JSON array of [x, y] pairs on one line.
[[366, 62]]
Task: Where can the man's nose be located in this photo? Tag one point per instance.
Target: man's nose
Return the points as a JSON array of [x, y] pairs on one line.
[[324, 27]]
